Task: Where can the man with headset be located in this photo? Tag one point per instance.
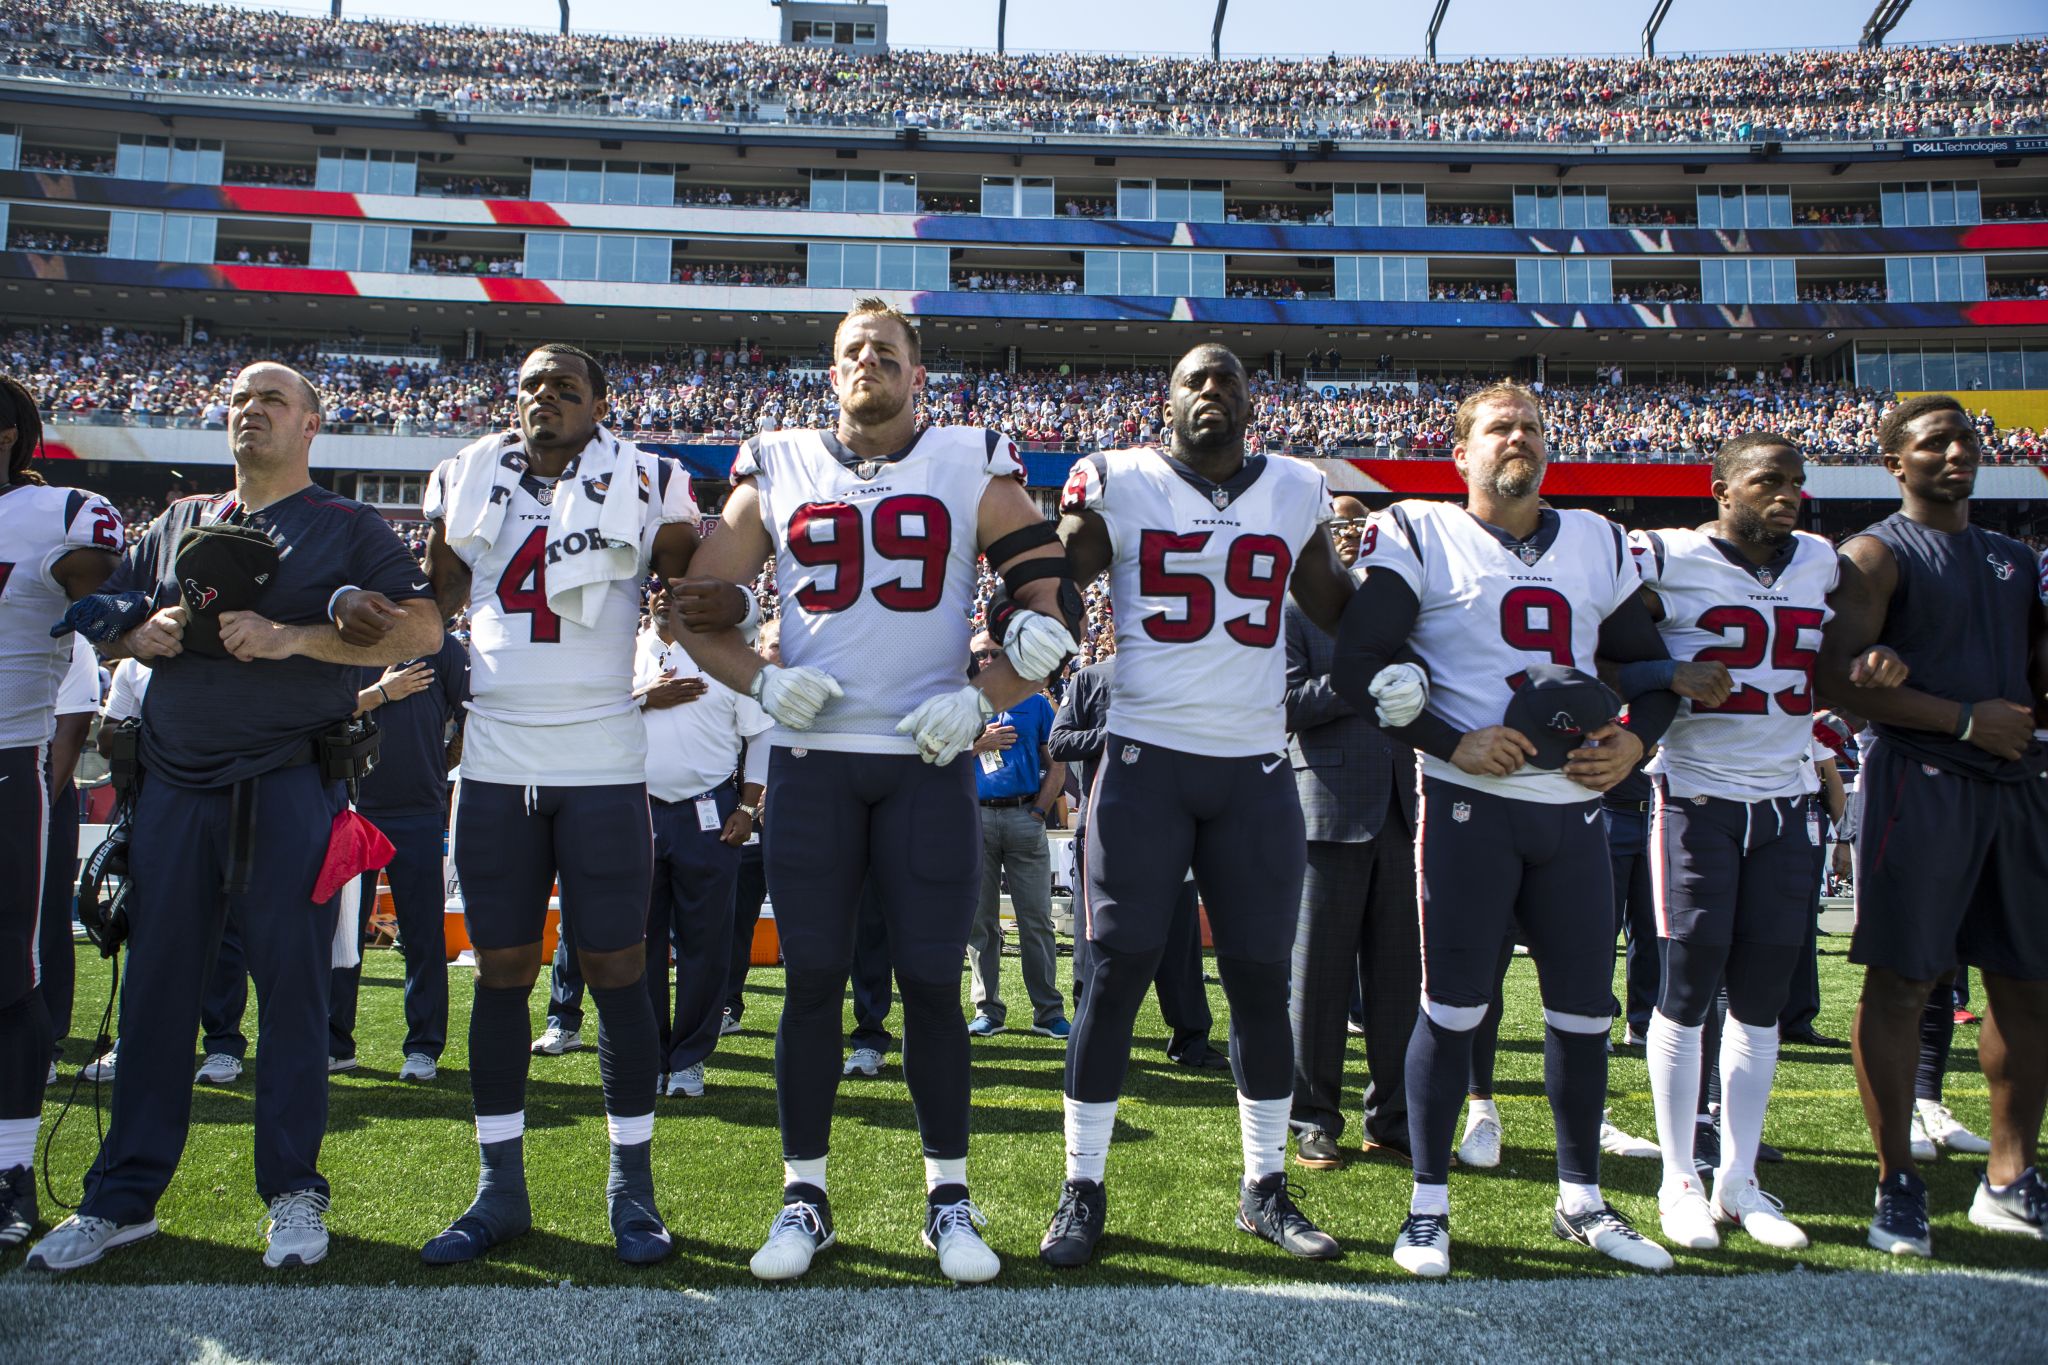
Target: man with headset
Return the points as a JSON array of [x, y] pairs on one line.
[[253, 609]]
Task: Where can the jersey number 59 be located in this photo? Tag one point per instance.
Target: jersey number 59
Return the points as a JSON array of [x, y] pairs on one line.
[[1255, 569]]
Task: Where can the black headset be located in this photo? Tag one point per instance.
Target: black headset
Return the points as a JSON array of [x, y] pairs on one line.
[[106, 925]]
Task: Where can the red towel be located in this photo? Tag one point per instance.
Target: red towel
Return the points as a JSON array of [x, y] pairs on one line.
[[354, 846]]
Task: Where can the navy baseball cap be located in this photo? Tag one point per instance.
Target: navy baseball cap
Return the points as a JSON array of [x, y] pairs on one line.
[[1557, 707], [221, 567]]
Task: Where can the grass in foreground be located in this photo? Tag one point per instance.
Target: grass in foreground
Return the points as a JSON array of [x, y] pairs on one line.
[[402, 1161]]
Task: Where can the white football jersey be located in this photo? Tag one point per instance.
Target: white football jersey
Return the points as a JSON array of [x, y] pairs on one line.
[[876, 574], [38, 527], [1490, 608], [551, 702], [1199, 592], [1764, 624]]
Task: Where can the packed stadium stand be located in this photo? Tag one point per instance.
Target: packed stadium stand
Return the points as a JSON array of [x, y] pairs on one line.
[[1674, 249]]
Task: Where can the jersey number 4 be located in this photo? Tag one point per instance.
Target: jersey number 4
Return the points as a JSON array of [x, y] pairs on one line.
[[524, 588], [1754, 638], [1255, 570], [912, 527]]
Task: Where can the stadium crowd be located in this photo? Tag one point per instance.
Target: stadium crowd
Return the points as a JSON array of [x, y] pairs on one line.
[[728, 394], [1949, 90]]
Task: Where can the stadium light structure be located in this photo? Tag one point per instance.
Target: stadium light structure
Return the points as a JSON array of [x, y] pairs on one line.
[[1216, 32], [1650, 29], [1882, 21], [565, 16], [1002, 22], [1436, 23]]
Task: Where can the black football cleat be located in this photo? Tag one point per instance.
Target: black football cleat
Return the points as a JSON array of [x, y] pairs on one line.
[[1076, 1225], [1266, 1209]]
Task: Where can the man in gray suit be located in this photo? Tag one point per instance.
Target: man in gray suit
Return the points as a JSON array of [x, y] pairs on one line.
[[1358, 928]]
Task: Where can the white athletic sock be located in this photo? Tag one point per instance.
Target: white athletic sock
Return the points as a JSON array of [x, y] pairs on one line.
[[629, 1132], [1749, 1062], [1430, 1199], [17, 1142], [944, 1170], [1477, 1109], [1575, 1198], [1673, 1053], [1088, 1128], [498, 1127], [1262, 1126], [810, 1171]]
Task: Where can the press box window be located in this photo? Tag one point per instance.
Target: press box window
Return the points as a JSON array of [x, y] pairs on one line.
[[1376, 279], [863, 192], [1379, 206], [866, 265], [588, 256]]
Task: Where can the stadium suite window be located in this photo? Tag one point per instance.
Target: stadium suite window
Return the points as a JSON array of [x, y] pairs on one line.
[[1170, 201], [1930, 203], [829, 31], [10, 147], [1749, 281], [1143, 274], [1551, 280], [1560, 206], [1375, 279], [863, 192], [1379, 206], [1908, 368], [176, 160], [357, 171], [1745, 206], [1935, 279], [1009, 196], [864, 265]]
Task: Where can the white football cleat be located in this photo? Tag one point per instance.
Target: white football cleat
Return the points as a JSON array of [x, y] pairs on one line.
[[1945, 1132], [1424, 1246], [863, 1061], [1615, 1142], [101, 1068], [950, 1230], [1687, 1219], [800, 1231], [687, 1083], [418, 1067], [220, 1068], [1762, 1216], [1481, 1147], [1610, 1234], [555, 1040]]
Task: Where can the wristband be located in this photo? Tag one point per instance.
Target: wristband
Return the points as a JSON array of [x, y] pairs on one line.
[[382, 693], [1965, 721], [750, 624], [338, 593]]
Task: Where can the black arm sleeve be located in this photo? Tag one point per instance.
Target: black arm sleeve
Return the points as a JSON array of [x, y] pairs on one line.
[[1631, 636], [1373, 632]]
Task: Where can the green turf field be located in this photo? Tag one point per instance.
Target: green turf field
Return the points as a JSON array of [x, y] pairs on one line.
[[402, 1162]]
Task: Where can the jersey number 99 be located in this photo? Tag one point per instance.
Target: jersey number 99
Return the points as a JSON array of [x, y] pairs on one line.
[[912, 527]]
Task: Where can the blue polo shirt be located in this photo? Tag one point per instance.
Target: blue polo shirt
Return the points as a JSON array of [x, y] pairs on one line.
[[211, 722], [411, 776], [1021, 768]]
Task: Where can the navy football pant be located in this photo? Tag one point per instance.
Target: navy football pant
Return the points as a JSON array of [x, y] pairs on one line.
[[24, 1024], [749, 891], [690, 906], [914, 830], [420, 900], [59, 965], [177, 861], [1154, 813]]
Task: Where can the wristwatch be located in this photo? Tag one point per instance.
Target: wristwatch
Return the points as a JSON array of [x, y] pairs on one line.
[[752, 812]]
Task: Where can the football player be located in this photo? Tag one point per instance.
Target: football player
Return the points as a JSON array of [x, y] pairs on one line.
[[1732, 864], [1483, 593], [1950, 857], [1203, 545], [60, 545], [528, 533], [875, 528]]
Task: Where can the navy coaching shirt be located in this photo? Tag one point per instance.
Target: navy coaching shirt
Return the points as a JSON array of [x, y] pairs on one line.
[[210, 722], [411, 776]]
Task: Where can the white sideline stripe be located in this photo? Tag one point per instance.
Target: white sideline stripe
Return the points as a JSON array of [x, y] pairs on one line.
[[1894, 1314]]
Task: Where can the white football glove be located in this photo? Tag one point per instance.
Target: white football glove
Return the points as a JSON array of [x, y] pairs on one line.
[[1399, 692], [946, 725], [1036, 644], [794, 696]]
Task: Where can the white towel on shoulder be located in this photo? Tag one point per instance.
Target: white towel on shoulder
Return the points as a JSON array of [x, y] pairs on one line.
[[593, 537], [594, 534]]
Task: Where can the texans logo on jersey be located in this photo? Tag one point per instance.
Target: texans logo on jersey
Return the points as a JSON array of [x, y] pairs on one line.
[[2001, 567], [202, 598]]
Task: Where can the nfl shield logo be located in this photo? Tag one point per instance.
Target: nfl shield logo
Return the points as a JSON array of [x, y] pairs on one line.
[[1461, 811], [1130, 753], [1530, 554], [1221, 497], [1765, 577]]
